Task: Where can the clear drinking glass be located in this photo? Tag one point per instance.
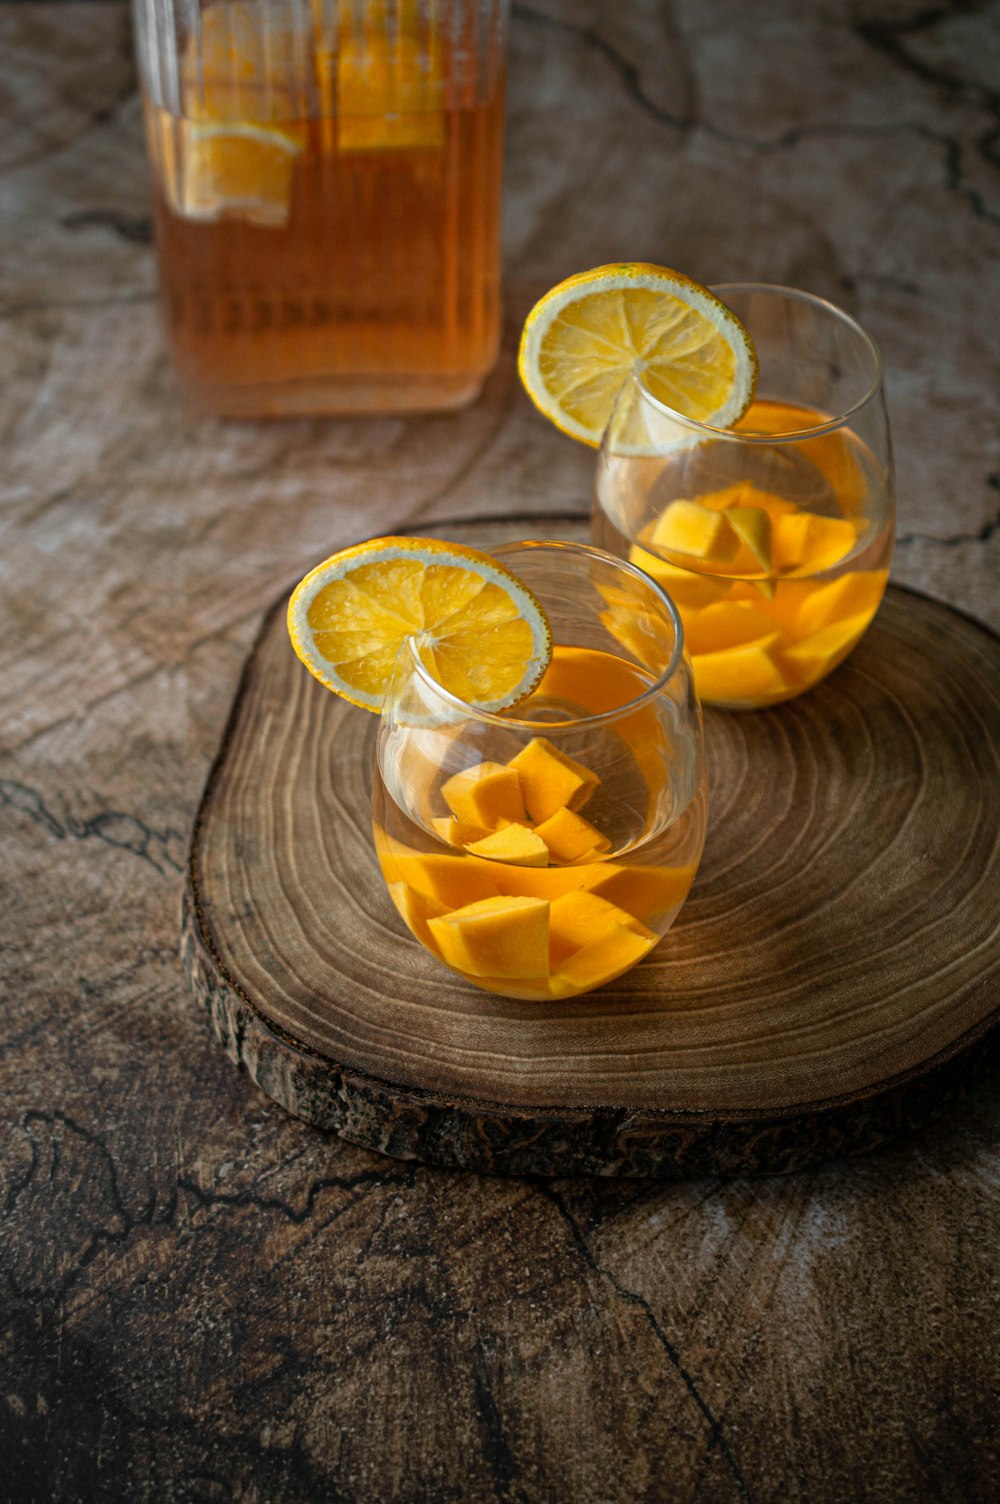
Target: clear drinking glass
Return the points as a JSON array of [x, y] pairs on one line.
[[327, 194], [773, 537], [543, 851]]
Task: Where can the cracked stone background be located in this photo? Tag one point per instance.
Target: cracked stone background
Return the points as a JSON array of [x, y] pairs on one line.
[[206, 1300]]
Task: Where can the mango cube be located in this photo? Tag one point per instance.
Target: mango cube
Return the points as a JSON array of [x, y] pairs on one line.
[[739, 674], [456, 832], [753, 527], [814, 656], [643, 892], [515, 844], [592, 965], [582, 919], [549, 780], [727, 624], [485, 794], [854, 594], [804, 540], [449, 880], [506, 938], [569, 836], [687, 527]]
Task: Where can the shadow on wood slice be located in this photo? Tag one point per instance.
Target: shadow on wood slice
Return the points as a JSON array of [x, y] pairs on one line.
[[832, 979]]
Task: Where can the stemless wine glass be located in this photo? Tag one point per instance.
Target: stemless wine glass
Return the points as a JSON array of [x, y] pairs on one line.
[[773, 537], [542, 851]]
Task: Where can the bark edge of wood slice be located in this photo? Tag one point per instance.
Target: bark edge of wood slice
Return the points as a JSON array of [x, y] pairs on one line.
[[833, 979]]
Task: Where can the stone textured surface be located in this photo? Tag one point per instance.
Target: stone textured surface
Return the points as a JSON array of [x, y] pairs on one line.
[[205, 1299]]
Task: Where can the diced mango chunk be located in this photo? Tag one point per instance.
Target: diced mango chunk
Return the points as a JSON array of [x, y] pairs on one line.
[[814, 656], [496, 937], [854, 594], [739, 675], [515, 844], [569, 836], [607, 958], [727, 624], [549, 780], [456, 832], [578, 919], [485, 794], [450, 880], [643, 892], [687, 527], [753, 527], [804, 540]]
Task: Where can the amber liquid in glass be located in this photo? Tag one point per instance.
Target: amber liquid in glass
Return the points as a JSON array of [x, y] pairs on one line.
[[366, 279], [760, 632], [579, 920]]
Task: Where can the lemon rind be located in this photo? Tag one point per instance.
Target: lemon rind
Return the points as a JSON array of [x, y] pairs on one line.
[[642, 275], [428, 551]]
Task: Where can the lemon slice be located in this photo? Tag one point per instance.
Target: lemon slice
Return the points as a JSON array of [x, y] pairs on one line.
[[243, 126], [587, 335], [389, 72], [479, 631], [238, 168]]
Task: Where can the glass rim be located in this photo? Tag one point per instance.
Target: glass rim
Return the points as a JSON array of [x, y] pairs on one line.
[[604, 717], [752, 436]]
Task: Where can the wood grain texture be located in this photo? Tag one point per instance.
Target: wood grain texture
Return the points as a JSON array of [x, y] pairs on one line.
[[203, 1298], [840, 944]]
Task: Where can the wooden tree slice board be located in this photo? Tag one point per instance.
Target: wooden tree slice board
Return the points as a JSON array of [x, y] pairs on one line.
[[833, 977]]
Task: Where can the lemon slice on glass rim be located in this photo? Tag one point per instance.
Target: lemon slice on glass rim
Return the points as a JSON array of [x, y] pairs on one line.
[[586, 336], [480, 633]]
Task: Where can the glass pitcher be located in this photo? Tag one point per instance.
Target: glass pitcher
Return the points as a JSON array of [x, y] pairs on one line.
[[326, 181]]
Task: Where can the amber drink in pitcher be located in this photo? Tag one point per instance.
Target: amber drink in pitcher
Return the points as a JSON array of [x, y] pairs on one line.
[[327, 195]]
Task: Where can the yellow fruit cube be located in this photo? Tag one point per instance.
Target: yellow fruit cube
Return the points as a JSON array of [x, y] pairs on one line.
[[515, 844], [857, 593], [753, 527], [727, 624], [740, 675], [578, 919], [803, 540], [643, 892], [549, 780], [815, 656], [593, 965], [484, 795], [449, 880], [569, 836], [496, 937], [687, 527], [456, 832]]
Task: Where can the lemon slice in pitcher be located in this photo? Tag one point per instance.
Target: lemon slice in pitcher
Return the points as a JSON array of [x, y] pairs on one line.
[[242, 129], [585, 337], [243, 170], [479, 631]]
